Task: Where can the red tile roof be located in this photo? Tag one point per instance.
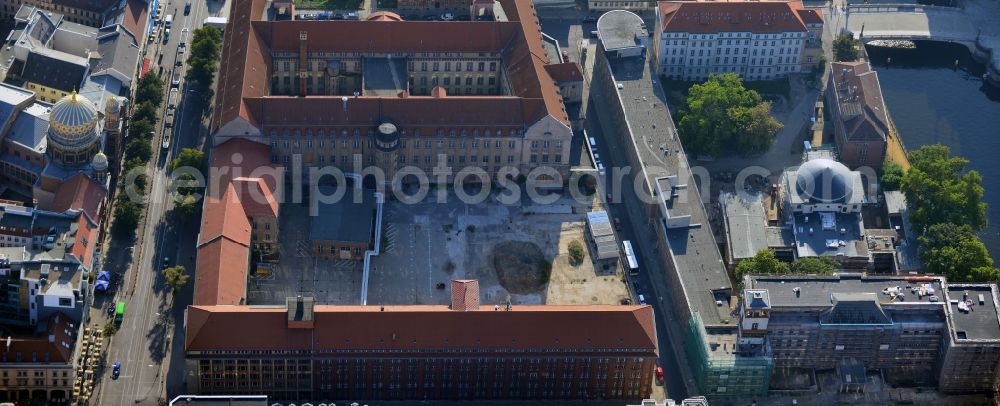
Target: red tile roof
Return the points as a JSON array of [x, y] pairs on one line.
[[811, 16], [423, 328], [80, 192], [85, 241], [223, 252], [862, 107], [248, 42], [224, 218], [241, 157], [221, 273], [736, 16], [135, 17], [256, 197], [34, 349], [565, 72]]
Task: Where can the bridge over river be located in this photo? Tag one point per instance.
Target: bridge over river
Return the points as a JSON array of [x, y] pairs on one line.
[[976, 25]]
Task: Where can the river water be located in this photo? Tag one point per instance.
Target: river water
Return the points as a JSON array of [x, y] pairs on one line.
[[933, 100]]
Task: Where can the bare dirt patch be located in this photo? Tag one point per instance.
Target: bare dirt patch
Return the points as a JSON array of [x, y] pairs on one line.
[[520, 266]]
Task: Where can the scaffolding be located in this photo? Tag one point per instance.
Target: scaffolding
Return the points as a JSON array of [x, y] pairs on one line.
[[721, 374]]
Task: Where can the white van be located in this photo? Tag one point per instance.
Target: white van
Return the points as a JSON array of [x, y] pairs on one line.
[[642, 299]]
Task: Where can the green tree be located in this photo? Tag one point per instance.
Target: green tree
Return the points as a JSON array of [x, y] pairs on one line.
[[206, 46], [814, 266], [938, 189], [149, 88], [956, 252], [576, 252], [145, 111], [764, 262], [139, 148], [721, 114], [176, 277], [191, 157], [756, 128], [845, 48], [141, 128], [126, 215], [187, 205], [892, 176]]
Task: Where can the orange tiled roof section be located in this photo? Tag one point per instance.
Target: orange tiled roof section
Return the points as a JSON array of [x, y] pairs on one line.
[[239, 157], [135, 17], [249, 41], [256, 197], [737, 16], [223, 252], [565, 72], [80, 193], [422, 328]]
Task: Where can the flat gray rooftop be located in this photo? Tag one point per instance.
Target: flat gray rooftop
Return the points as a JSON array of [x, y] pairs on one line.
[[980, 321], [617, 29], [349, 219], [746, 224], [817, 291], [384, 76], [844, 238], [696, 256]]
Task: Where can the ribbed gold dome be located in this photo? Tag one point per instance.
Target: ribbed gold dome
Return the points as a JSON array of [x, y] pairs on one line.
[[73, 120], [100, 162]]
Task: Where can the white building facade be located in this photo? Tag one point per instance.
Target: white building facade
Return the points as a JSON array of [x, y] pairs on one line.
[[758, 41]]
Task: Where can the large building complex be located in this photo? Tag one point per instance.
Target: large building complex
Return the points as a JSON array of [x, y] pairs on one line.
[[757, 40], [462, 351], [919, 330], [390, 94]]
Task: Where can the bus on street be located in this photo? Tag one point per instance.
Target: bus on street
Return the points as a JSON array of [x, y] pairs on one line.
[[631, 261]]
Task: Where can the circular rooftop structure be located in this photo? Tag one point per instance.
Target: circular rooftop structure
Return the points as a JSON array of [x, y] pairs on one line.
[[73, 134], [621, 30], [384, 16], [100, 162], [824, 180]]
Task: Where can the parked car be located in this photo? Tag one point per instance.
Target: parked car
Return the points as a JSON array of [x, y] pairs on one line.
[[642, 299], [447, 17], [659, 374], [187, 8], [307, 17], [337, 16], [166, 262], [618, 224], [352, 16], [565, 55], [116, 371]]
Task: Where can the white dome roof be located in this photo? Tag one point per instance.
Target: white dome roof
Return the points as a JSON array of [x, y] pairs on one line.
[[100, 162], [824, 180]]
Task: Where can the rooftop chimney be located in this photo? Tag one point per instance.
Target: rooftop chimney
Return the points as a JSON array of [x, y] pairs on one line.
[[300, 312], [465, 295]]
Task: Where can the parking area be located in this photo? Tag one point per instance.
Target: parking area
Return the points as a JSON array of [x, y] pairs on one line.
[[517, 252]]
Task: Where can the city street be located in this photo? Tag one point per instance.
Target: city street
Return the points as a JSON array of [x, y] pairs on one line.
[[143, 344]]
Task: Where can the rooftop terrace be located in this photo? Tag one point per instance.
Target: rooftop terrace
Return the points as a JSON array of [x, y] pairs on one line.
[[975, 321]]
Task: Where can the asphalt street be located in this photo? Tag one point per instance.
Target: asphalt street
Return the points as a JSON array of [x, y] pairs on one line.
[[153, 315]]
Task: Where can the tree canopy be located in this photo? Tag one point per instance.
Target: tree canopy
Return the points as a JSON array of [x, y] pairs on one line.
[[206, 45], [191, 157], [892, 176], [721, 115], [846, 48], [938, 190], [764, 262], [149, 88], [955, 251], [176, 277], [814, 266]]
